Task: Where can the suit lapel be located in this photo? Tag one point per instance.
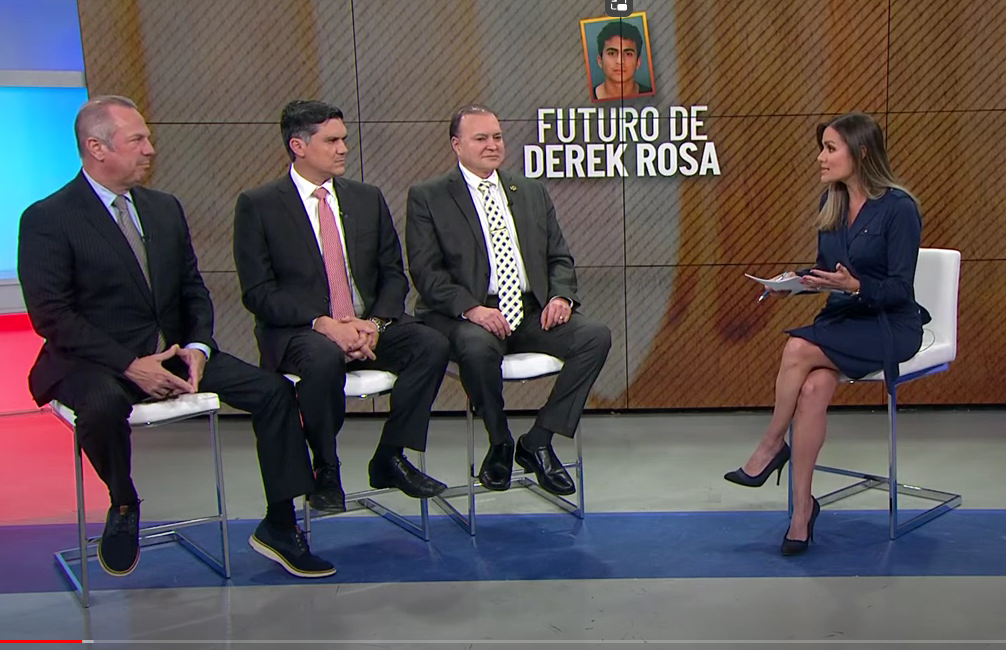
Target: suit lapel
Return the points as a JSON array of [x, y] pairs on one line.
[[349, 211], [101, 220], [290, 199], [461, 195]]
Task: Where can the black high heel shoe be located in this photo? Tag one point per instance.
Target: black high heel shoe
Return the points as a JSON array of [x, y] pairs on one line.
[[798, 546], [740, 477]]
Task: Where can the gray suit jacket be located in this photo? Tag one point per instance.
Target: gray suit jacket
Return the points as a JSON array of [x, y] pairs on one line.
[[448, 256]]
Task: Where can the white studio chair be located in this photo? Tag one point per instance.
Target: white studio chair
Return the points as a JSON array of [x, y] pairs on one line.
[[367, 384], [937, 278], [143, 416], [522, 366]]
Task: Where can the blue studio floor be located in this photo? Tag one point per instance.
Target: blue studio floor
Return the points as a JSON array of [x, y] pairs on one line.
[[670, 554], [552, 547]]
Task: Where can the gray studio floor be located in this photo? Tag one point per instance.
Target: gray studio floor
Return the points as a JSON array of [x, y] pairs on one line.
[[633, 464]]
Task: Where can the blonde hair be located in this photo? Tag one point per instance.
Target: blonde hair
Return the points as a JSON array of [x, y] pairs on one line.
[[870, 166]]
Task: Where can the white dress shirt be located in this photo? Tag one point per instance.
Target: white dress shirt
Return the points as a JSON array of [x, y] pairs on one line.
[[107, 196], [498, 193], [305, 188]]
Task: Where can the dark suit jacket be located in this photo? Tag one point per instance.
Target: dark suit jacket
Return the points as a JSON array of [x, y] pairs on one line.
[[448, 257], [282, 273], [86, 294]]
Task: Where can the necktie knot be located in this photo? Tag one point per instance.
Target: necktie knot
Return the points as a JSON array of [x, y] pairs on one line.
[[485, 187], [321, 193], [120, 202]]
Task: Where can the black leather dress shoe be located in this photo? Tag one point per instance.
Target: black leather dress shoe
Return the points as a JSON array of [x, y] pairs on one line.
[[399, 473], [328, 493], [497, 467], [547, 468]]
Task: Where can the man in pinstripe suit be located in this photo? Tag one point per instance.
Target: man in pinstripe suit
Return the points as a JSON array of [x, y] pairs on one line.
[[111, 282]]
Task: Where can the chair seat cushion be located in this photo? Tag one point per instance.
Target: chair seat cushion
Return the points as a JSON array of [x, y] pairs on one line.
[[933, 353], [521, 365], [360, 383], [528, 365], [149, 413], [369, 382]]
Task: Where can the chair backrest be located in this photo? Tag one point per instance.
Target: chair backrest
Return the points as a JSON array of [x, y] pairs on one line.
[[937, 277]]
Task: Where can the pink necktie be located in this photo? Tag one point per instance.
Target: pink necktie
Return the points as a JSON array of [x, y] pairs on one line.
[[335, 260]]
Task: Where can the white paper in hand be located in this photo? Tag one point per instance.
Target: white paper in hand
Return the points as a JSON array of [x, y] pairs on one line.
[[783, 282]]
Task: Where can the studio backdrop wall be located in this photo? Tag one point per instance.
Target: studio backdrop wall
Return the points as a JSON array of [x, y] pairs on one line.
[[666, 216]]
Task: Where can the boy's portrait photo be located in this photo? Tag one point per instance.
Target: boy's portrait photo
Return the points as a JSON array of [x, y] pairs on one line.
[[617, 54]]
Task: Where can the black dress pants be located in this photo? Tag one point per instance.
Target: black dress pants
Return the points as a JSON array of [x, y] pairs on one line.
[[582, 344], [414, 352], [102, 402]]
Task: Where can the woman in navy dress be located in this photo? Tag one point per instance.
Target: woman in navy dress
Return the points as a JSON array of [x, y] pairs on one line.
[[869, 230]]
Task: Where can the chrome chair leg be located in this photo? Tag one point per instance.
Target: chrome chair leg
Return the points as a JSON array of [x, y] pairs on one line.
[[946, 501], [473, 486], [218, 467]]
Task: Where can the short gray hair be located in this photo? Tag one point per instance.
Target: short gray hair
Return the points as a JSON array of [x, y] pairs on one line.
[[93, 120]]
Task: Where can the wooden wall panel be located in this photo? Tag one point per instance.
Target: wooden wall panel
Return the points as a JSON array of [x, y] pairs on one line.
[[663, 258], [947, 55]]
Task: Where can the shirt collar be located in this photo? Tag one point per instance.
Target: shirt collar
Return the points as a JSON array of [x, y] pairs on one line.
[[472, 180], [306, 188], [106, 195]]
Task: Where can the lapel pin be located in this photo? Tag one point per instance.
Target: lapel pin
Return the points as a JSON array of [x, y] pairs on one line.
[[513, 188]]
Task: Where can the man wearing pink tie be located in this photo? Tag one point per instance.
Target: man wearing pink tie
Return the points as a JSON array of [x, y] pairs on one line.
[[320, 267]]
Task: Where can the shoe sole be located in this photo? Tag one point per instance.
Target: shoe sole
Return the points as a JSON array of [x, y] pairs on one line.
[[112, 572], [528, 467], [795, 552], [414, 495], [266, 551], [328, 510], [740, 482], [494, 488]]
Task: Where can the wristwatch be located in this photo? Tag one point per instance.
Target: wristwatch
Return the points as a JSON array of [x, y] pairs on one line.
[[381, 324]]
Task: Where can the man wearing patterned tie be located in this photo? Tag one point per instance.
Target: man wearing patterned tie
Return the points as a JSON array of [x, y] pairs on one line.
[[321, 269], [111, 282], [494, 275]]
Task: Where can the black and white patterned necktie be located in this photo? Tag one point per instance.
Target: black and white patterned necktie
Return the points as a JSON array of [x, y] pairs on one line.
[[507, 278]]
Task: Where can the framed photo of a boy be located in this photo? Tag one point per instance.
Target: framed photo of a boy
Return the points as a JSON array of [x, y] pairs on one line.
[[617, 55]]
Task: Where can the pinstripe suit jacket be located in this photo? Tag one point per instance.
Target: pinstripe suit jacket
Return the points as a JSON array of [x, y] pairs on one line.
[[86, 294]]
